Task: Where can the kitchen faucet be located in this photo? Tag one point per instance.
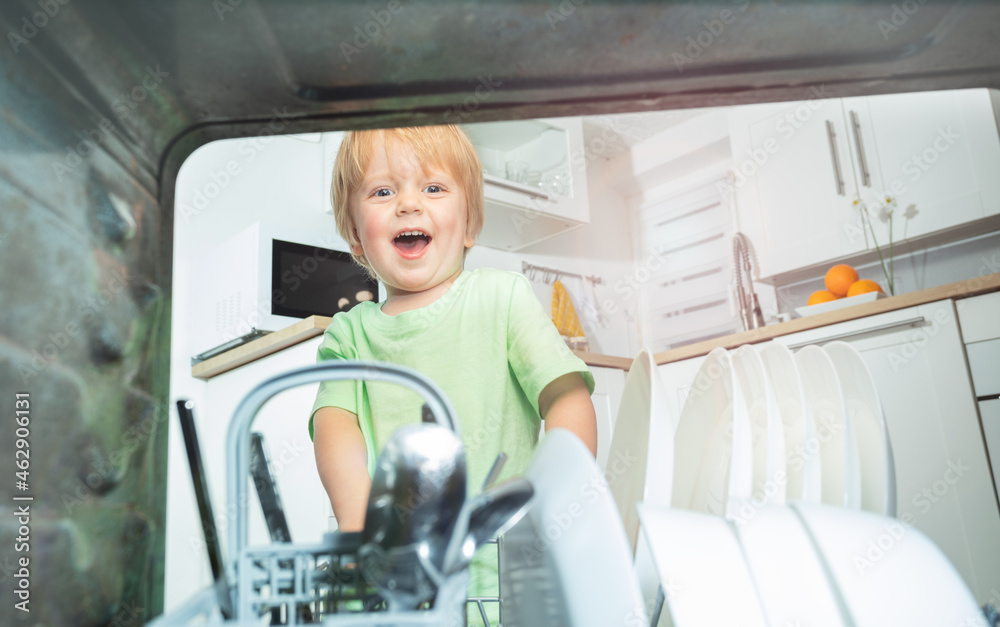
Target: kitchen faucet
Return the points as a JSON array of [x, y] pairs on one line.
[[750, 313]]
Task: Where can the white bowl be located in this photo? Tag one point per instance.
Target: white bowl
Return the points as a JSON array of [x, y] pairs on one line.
[[840, 303]]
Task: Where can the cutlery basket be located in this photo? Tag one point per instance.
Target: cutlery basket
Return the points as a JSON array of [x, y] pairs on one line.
[[296, 583]]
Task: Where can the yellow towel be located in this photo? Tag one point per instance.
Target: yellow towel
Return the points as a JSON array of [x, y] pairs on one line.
[[563, 314]]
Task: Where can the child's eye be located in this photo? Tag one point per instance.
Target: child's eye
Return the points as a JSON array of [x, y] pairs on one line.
[[382, 192], [433, 189]]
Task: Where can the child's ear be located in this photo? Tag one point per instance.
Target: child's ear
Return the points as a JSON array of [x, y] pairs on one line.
[[357, 249], [470, 238]]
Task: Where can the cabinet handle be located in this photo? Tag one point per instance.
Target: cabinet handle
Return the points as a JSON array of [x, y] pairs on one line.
[[856, 126], [832, 136], [514, 187], [909, 322]]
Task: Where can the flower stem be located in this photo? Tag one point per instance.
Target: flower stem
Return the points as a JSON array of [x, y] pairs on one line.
[[892, 259], [878, 249]]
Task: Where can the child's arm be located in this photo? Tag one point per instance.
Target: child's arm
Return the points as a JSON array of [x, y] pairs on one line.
[[565, 403], [342, 461]]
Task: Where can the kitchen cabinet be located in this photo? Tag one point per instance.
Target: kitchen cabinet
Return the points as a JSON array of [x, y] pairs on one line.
[[989, 413], [535, 183], [981, 333], [804, 169], [609, 383], [283, 422], [937, 151], [678, 377], [795, 183]]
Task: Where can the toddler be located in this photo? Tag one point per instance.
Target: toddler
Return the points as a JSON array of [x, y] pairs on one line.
[[409, 203]]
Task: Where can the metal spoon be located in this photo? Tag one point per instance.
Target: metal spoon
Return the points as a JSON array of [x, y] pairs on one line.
[[417, 494], [485, 516]]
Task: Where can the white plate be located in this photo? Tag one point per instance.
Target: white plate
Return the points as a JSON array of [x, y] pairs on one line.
[[840, 303], [713, 450], [885, 572], [640, 460], [803, 470], [788, 574], [878, 477], [767, 431], [705, 578], [834, 436], [569, 555]]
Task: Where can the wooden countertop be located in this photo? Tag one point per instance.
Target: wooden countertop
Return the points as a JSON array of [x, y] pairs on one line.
[[315, 325], [960, 289], [261, 347]]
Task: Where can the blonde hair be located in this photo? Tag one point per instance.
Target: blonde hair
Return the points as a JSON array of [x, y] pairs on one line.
[[444, 147]]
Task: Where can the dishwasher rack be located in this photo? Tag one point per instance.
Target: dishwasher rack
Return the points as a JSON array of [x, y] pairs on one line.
[[296, 584]]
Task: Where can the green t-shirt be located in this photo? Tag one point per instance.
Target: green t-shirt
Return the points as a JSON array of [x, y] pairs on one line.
[[486, 342]]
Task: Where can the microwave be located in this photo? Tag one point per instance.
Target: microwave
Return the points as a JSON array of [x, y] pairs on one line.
[[270, 276]]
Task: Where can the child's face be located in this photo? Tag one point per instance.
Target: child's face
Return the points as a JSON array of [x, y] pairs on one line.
[[398, 196]]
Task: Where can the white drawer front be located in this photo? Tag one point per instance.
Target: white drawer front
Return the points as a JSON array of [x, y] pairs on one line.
[[979, 317], [984, 363], [989, 411]]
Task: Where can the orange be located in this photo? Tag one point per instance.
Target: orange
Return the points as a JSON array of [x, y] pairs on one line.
[[820, 296], [863, 287], [839, 279]]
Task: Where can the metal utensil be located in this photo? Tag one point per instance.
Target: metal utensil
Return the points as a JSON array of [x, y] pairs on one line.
[[417, 494], [487, 515]]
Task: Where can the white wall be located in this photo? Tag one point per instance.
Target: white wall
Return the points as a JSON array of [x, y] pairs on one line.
[[225, 187], [267, 178]]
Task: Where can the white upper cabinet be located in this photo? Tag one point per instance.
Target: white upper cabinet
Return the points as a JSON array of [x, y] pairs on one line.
[[938, 152], [795, 183], [535, 179], [804, 170]]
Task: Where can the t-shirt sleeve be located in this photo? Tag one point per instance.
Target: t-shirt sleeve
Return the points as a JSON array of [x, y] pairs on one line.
[[537, 355], [342, 394]]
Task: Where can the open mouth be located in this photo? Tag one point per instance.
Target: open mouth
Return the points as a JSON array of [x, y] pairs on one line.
[[411, 242]]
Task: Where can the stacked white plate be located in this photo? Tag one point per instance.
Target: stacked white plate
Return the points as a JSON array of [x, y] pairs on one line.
[[798, 564], [878, 476], [637, 471], [713, 446], [783, 463], [762, 425], [803, 471]]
